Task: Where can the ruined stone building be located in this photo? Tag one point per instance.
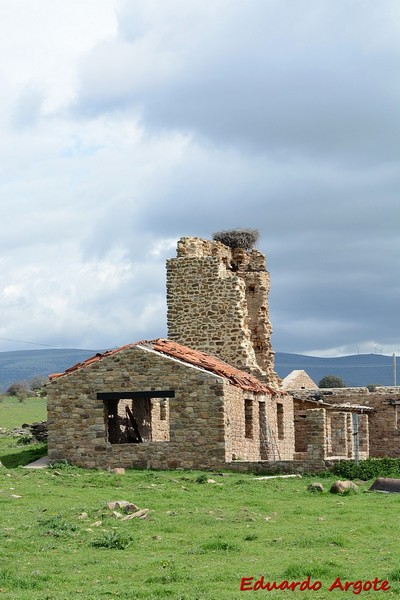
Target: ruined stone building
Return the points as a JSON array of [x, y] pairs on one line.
[[382, 407], [208, 396], [161, 405], [299, 380]]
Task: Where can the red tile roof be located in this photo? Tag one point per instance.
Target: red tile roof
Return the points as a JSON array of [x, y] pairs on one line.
[[187, 355]]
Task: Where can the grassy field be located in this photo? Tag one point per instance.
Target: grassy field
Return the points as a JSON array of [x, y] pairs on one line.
[[14, 413], [59, 540]]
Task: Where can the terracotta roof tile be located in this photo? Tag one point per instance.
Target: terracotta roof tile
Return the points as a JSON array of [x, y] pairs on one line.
[[210, 363], [192, 357]]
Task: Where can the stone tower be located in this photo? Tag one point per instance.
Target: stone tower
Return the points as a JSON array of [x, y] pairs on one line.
[[217, 300]]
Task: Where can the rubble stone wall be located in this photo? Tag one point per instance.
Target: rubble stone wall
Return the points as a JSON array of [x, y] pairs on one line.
[[218, 303], [210, 422], [384, 422], [299, 380], [338, 435], [316, 426], [251, 426], [77, 419]]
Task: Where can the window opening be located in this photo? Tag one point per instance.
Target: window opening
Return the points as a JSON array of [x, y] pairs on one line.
[[133, 418], [262, 418], [279, 418], [248, 418]]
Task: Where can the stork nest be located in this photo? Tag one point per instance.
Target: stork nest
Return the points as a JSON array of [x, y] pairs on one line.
[[237, 238]]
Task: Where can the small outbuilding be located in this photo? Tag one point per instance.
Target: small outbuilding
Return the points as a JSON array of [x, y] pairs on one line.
[[158, 404], [298, 380], [329, 431]]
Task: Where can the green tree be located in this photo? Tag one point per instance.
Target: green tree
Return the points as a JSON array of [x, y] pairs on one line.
[[19, 390], [331, 381]]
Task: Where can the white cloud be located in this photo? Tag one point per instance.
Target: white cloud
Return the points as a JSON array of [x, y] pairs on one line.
[[125, 125], [41, 42]]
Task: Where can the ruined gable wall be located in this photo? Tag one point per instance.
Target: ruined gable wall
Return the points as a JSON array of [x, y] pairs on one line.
[[77, 420], [299, 380], [218, 303]]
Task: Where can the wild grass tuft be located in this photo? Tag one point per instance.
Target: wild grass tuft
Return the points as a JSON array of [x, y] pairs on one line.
[[114, 540], [317, 570], [57, 526]]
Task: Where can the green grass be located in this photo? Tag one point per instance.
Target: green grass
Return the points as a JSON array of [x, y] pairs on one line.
[[60, 541], [14, 413]]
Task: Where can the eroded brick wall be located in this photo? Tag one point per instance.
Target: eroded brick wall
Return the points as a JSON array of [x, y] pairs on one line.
[[218, 303]]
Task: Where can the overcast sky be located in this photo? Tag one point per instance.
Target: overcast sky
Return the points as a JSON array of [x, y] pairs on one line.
[[125, 125]]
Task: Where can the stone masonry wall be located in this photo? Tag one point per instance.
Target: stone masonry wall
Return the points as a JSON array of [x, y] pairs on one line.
[[316, 426], [218, 303], [298, 380], [334, 432], [77, 421], [251, 427], [384, 421]]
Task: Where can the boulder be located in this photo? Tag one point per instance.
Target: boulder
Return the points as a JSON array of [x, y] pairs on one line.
[[343, 487], [316, 487], [386, 484], [118, 470], [126, 507]]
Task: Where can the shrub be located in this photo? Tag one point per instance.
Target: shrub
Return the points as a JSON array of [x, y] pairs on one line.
[[371, 387], [368, 469], [219, 546], [57, 526], [20, 389], [237, 238], [24, 440]]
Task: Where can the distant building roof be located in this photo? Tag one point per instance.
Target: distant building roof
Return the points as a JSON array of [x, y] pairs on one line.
[[187, 355], [318, 401], [299, 380]]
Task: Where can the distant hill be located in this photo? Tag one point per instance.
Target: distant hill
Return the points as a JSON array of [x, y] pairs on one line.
[[22, 365], [356, 370]]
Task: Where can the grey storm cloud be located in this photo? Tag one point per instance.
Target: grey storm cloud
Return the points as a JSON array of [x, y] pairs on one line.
[[182, 118], [311, 79]]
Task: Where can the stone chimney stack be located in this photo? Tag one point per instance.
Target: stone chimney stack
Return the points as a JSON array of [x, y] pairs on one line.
[[217, 300]]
